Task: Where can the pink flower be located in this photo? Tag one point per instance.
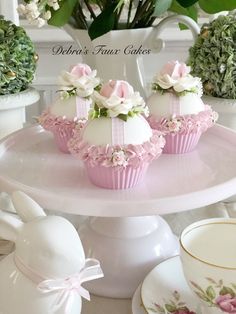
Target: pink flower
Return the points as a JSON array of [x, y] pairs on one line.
[[81, 69], [121, 89], [175, 69], [227, 303], [119, 158], [176, 75], [81, 79], [174, 125], [118, 97]]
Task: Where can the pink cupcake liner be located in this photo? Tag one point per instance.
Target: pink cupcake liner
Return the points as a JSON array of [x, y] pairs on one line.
[[181, 143], [62, 128], [116, 179], [61, 139]]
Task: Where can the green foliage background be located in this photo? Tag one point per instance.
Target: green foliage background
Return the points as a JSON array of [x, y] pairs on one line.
[[146, 11], [213, 57], [17, 58]]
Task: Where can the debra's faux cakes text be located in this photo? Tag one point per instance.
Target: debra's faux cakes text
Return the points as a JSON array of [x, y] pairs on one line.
[[100, 50]]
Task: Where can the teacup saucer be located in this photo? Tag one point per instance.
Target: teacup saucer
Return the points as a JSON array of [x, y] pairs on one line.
[[165, 290], [137, 306]]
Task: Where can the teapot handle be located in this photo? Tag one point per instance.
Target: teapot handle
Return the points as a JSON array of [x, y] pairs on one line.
[[157, 44]]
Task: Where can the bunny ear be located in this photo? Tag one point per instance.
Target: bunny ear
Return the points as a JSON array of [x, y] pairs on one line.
[[6, 203], [26, 207], [9, 226]]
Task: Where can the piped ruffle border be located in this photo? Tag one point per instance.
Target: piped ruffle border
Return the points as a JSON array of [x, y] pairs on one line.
[[118, 156], [59, 124], [186, 124]]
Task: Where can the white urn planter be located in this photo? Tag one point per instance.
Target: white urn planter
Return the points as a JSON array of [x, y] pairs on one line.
[[12, 110], [119, 54], [226, 109]]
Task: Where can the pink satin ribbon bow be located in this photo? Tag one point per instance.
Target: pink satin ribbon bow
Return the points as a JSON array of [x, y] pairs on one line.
[[67, 288]]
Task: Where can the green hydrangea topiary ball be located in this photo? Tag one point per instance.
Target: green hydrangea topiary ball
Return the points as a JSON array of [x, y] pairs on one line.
[[17, 58], [213, 57]]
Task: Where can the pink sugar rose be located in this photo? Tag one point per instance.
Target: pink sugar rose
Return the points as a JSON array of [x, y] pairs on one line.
[[117, 88], [81, 79], [175, 74], [118, 97], [81, 69], [226, 303], [174, 125], [119, 158], [175, 69]]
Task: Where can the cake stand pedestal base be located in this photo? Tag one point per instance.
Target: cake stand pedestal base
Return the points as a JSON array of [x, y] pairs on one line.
[[128, 248]]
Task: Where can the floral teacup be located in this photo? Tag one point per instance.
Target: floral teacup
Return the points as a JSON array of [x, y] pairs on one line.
[[208, 255]]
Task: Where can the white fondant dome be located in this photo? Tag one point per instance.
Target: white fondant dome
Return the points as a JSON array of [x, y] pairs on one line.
[[64, 107], [99, 131], [160, 105], [67, 108]]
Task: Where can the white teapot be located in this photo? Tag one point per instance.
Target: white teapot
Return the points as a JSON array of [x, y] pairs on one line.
[[45, 272]]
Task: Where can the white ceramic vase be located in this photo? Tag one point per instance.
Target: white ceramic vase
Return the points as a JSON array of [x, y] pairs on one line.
[[12, 110], [226, 109], [119, 54]]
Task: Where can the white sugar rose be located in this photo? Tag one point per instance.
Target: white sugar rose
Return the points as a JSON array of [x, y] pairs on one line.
[[188, 83], [116, 106], [81, 78], [165, 81], [85, 85]]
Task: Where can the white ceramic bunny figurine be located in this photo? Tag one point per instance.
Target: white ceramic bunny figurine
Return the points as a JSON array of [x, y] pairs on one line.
[[45, 272]]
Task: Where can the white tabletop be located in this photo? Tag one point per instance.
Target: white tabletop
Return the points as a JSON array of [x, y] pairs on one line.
[[99, 305]]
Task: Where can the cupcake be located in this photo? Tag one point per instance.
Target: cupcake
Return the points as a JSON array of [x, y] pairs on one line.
[[177, 110], [117, 144], [71, 109]]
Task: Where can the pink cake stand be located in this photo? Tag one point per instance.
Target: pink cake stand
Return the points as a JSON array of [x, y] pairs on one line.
[[124, 231]]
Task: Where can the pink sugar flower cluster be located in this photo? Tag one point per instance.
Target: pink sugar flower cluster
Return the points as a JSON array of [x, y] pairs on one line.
[[186, 124], [58, 124], [118, 156]]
